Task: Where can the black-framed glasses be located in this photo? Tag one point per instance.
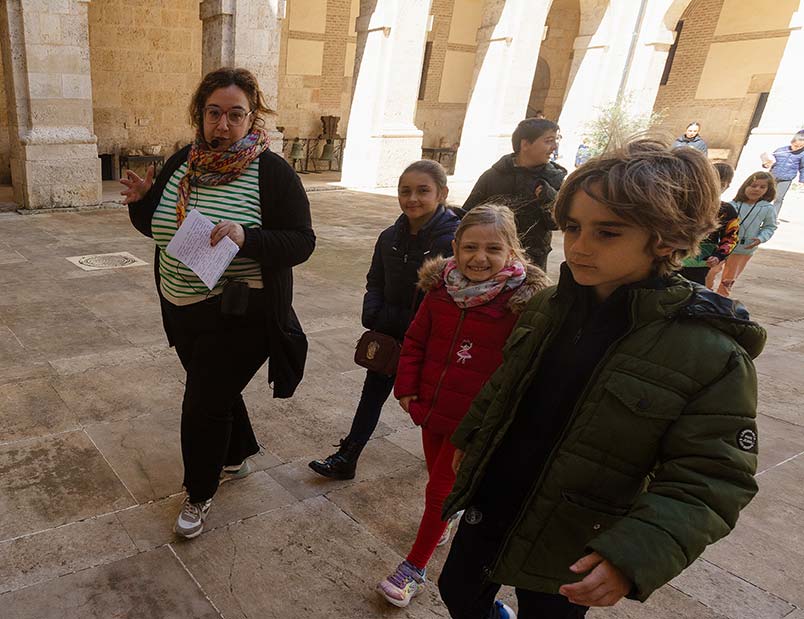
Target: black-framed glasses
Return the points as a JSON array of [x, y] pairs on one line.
[[235, 116]]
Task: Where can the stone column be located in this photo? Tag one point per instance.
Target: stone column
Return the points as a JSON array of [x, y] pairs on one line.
[[382, 138], [54, 153], [783, 110], [508, 50], [246, 33]]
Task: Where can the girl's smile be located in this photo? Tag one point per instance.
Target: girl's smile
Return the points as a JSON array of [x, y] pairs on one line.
[[481, 252]]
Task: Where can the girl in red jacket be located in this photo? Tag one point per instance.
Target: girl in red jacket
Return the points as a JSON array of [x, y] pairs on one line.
[[451, 348]]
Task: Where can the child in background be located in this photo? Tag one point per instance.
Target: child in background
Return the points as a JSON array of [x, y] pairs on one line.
[[425, 229], [618, 437], [717, 246], [451, 348], [757, 215]]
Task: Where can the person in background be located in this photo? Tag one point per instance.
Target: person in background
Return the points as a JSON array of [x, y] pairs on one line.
[[692, 139], [754, 207], [527, 181], [785, 164], [717, 246], [425, 229], [584, 152]]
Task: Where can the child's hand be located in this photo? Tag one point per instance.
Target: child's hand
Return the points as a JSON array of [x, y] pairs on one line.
[[754, 242], [405, 401], [604, 585], [457, 458], [712, 261]]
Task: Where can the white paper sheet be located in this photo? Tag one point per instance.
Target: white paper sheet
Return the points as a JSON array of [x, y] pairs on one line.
[[191, 246]]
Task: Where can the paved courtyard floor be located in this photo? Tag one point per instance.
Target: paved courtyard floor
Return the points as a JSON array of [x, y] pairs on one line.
[[90, 468]]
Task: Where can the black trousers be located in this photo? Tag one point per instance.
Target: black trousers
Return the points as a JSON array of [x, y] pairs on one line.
[[469, 594], [376, 389], [220, 354]]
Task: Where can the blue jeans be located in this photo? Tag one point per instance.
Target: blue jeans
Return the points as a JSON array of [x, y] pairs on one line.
[[781, 190]]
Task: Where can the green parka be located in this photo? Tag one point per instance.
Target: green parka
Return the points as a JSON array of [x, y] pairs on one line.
[[658, 457]]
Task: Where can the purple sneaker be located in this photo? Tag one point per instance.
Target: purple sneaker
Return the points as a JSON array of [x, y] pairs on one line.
[[403, 585]]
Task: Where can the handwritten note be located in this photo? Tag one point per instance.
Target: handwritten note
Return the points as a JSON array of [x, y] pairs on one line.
[[191, 246]]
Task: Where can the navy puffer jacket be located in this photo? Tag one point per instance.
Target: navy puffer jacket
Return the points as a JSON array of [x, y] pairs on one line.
[[391, 280]]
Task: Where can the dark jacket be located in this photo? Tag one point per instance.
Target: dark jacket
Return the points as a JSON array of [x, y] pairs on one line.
[[449, 352], [285, 239], [515, 187], [658, 455], [391, 280], [722, 241], [788, 164], [697, 143]]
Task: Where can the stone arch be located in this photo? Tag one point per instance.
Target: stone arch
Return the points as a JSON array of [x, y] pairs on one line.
[[541, 86]]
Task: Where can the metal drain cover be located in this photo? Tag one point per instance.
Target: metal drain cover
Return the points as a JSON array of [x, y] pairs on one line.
[[97, 262]]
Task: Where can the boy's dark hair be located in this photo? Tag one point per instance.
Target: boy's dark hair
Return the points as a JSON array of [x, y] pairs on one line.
[[432, 168], [531, 129], [244, 79], [769, 195], [726, 173], [673, 194]]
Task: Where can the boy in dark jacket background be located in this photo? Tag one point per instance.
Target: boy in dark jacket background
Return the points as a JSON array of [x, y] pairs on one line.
[[527, 182], [618, 438]]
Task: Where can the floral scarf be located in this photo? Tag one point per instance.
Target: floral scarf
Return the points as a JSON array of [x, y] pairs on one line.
[[208, 167], [466, 293]]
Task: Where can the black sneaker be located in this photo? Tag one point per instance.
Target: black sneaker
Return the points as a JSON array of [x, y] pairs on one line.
[[340, 465]]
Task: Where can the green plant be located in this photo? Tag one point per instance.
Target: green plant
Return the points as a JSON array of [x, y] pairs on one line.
[[615, 123]]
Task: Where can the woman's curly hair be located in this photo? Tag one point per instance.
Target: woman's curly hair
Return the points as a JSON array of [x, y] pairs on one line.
[[673, 194]]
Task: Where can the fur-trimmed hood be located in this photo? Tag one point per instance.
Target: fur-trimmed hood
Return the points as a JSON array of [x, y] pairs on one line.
[[430, 278]]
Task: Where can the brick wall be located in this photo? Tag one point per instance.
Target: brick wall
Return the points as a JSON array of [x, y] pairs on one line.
[[724, 122], [144, 71]]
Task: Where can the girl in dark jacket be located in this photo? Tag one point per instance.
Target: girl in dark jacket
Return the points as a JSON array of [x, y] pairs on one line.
[[452, 347], [424, 230]]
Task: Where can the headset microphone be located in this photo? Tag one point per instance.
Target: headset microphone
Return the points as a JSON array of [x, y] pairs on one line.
[[214, 142]]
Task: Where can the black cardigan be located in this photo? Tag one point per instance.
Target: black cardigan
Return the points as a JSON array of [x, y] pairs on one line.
[[285, 239]]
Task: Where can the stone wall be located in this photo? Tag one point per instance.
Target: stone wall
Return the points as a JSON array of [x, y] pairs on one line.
[[146, 63], [727, 55], [5, 147], [556, 53], [316, 65]]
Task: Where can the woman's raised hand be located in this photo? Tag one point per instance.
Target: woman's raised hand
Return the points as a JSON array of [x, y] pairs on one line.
[[136, 187]]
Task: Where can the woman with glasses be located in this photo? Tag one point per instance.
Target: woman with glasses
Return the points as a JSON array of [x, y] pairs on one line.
[[224, 335]]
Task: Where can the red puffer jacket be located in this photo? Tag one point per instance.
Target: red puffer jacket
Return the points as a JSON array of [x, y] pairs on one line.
[[450, 353]]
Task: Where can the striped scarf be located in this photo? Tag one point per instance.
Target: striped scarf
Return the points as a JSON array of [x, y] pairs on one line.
[[208, 167]]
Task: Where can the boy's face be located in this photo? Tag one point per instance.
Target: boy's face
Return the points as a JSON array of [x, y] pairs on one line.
[[538, 151], [795, 143], [603, 250]]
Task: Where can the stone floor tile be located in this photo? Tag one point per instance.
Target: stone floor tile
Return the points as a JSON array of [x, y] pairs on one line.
[[121, 356], [144, 451], [778, 441], [50, 481], [409, 439], [40, 328], [309, 557], [31, 408], [785, 481], [380, 458], [780, 399], [150, 584], [37, 558], [735, 597], [119, 392], [666, 603], [151, 525]]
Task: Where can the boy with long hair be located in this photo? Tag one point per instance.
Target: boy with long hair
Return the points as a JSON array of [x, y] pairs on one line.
[[618, 438]]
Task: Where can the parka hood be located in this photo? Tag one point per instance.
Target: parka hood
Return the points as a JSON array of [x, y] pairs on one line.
[[430, 278]]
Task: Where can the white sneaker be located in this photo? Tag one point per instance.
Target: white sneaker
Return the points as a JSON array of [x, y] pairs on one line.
[[237, 471], [191, 519]]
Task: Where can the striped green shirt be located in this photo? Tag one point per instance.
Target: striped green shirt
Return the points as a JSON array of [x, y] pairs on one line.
[[238, 201]]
